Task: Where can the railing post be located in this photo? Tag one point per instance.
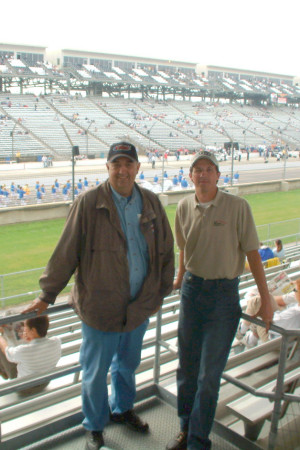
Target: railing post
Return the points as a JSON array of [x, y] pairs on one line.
[[278, 393], [156, 368]]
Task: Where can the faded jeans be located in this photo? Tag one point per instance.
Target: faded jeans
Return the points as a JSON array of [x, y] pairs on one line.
[[100, 350], [209, 317]]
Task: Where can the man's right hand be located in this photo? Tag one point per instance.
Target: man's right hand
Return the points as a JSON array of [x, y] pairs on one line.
[[37, 305]]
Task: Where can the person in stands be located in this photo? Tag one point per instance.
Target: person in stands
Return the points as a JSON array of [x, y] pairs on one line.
[[278, 250], [286, 309], [265, 252], [35, 354]]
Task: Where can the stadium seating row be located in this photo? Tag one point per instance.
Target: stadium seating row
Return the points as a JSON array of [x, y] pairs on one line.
[[21, 415], [34, 125]]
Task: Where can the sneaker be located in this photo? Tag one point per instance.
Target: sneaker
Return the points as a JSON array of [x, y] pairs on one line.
[[179, 443], [94, 440], [239, 335], [249, 341], [131, 419]]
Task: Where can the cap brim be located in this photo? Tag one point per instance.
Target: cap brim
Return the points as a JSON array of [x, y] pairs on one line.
[[204, 157], [113, 158]]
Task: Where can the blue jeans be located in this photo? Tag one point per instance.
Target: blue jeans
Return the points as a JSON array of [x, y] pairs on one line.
[[100, 351], [209, 315]]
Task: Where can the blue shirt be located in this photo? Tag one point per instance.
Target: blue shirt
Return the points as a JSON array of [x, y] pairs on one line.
[[184, 183], [265, 253], [129, 210]]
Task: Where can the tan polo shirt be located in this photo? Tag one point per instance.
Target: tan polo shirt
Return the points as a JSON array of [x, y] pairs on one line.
[[216, 239]]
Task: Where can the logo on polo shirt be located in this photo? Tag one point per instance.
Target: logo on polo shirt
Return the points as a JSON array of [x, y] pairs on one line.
[[219, 223]]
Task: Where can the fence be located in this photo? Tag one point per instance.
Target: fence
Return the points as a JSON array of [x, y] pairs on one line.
[[277, 230], [18, 287]]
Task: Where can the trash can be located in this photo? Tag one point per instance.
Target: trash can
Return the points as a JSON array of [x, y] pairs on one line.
[[39, 158], [102, 155]]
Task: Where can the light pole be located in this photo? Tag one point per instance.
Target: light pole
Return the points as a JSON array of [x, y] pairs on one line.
[[12, 134], [149, 132], [163, 173], [87, 137], [74, 151], [232, 154], [232, 162], [284, 162]]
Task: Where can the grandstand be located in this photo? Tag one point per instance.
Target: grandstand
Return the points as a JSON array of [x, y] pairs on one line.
[[157, 104], [34, 125]]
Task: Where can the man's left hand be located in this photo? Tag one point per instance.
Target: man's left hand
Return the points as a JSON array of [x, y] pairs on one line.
[[266, 312]]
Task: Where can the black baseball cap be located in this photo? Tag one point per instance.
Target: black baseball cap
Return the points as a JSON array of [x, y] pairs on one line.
[[122, 149]]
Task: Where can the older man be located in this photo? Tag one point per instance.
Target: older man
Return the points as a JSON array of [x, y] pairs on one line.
[[215, 231], [118, 241]]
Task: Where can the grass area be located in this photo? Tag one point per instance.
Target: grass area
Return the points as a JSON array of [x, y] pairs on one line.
[[267, 208], [29, 245], [26, 246], [274, 206]]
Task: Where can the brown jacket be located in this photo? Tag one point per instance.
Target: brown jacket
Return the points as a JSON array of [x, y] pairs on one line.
[[93, 246]]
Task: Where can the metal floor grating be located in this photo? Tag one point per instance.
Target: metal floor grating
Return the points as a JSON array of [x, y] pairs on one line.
[[164, 425]]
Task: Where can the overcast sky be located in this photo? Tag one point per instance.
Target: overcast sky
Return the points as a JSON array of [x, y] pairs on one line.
[[258, 35]]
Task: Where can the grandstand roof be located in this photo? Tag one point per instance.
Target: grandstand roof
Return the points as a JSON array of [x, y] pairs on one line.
[[12, 46], [246, 71], [128, 57], [25, 67]]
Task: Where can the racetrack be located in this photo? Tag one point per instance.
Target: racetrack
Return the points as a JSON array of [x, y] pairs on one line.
[[28, 173]]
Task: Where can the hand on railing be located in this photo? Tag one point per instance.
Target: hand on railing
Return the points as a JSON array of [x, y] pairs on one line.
[[37, 305]]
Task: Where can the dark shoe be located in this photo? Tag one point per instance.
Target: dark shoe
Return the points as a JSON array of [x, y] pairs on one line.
[[179, 443], [94, 440], [3, 375], [131, 419]]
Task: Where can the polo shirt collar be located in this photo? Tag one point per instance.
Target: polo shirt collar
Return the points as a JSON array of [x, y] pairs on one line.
[[214, 202]]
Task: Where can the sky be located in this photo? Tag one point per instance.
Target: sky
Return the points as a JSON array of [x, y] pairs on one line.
[[260, 35]]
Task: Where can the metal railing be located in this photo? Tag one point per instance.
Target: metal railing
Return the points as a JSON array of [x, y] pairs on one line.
[[270, 232], [11, 294], [12, 286], [163, 352], [278, 395]]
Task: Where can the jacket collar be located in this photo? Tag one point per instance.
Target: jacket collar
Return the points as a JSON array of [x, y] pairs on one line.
[[105, 200]]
